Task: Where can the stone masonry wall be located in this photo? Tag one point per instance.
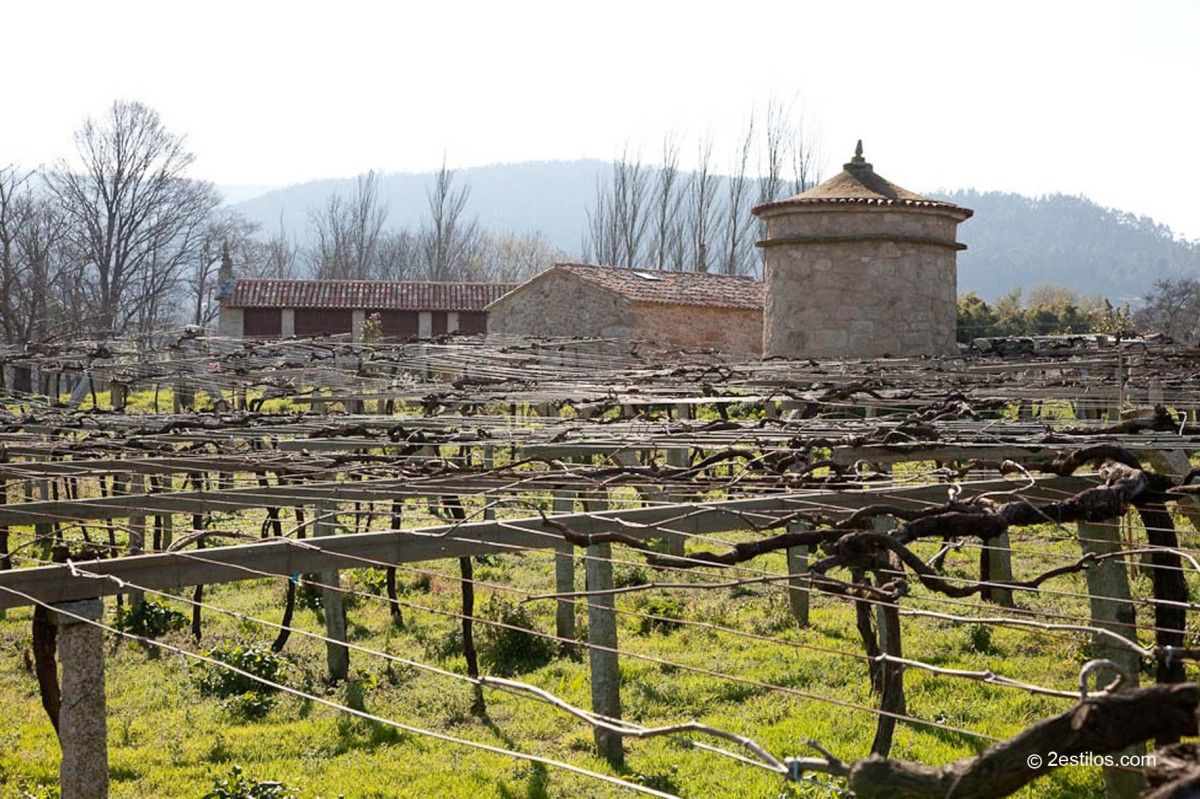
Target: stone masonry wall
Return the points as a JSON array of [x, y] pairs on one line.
[[863, 298], [560, 304], [734, 331], [229, 322]]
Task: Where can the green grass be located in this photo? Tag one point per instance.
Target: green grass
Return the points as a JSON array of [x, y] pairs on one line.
[[166, 739]]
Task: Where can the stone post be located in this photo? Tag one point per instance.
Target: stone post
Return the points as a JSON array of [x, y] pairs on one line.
[[82, 720], [677, 457], [798, 588], [489, 462], [337, 656], [1118, 394], [564, 574], [996, 553], [135, 484], [1112, 610], [602, 635], [1156, 391], [885, 620], [81, 391]]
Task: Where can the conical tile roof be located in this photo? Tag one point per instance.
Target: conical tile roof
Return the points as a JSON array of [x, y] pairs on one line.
[[858, 184]]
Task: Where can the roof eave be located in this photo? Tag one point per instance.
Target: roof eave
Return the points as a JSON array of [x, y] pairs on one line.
[[861, 203]]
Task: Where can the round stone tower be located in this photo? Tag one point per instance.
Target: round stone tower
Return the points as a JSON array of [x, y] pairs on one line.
[[859, 268]]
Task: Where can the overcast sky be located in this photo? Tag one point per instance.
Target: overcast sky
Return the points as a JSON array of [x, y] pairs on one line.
[[1092, 98]]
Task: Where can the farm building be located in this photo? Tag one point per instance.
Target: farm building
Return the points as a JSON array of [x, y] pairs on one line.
[[267, 308], [671, 309], [860, 268]]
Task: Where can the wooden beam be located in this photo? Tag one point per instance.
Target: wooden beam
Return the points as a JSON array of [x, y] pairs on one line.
[[285, 557]]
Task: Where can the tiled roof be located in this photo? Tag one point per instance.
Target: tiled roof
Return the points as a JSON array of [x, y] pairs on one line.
[[672, 288], [368, 294], [858, 184]]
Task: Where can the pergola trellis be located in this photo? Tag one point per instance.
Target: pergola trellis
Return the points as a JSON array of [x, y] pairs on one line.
[[477, 427]]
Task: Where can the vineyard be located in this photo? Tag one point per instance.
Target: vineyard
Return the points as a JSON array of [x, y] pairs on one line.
[[529, 568]]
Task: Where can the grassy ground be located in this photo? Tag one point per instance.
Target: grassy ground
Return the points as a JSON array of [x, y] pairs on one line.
[[168, 740]]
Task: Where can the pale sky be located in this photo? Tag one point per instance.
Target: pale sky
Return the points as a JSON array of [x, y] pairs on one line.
[[1091, 97]]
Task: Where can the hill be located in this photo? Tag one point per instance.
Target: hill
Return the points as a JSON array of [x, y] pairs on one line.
[[535, 196], [1013, 241]]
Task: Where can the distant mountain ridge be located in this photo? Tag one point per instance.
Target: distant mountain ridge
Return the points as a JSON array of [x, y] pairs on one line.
[[550, 197], [1013, 241]]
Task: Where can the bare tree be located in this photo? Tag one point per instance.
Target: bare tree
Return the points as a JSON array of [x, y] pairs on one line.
[[601, 239], [397, 255], [13, 218], [346, 233], [276, 256], [33, 303], [668, 202], [620, 219], [449, 240], [738, 253], [776, 133], [1173, 309], [702, 207], [630, 195], [806, 157], [133, 214], [48, 305], [226, 229], [513, 257]]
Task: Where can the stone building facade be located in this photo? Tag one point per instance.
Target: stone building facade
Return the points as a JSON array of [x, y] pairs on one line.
[[860, 268], [668, 309]]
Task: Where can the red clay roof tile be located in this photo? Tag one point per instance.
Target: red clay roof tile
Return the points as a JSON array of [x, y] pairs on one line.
[[673, 288], [858, 184], [366, 294]]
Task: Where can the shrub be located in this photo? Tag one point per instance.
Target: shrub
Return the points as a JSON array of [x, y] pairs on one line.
[[626, 574], [237, 785], [308, 596], [238, 692], [149, 619], [979, 639], [507, 651], [373, 581], [666, 609], [439, 644]]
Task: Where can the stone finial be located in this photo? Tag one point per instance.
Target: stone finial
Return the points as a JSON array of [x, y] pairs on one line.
[[225, 274], [857, 162], [227, 260]]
